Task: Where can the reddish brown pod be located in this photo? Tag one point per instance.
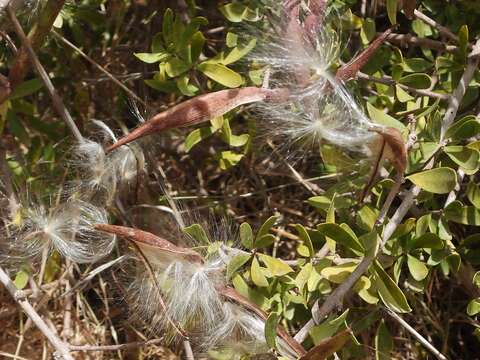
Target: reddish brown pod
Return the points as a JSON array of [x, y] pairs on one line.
[[201, 109], [146, 238]]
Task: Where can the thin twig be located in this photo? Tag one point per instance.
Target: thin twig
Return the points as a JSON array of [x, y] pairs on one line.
[[60, 347], [56, 100], [457, 96], [442, 29], [101, 68], [408, 39], [81, 283], [416, 334], [36, 36], [131, 345], [389, 81]]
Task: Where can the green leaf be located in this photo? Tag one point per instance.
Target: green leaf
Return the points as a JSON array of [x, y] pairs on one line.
[[164, 86], [230, 139], [175, 67], [236, 263], [157, 43], [476, 279], [368, 31], [305, 237], [473, 307], [257, 275], [151, 58], [465, 128], [416, 65], [438, 181], [402, 95], [392, 11], [246, 235], [417, 268], [197, 232], [231, 39], [473, 194], [325, 202], [264, 241], [196, 136], [467, 215], [463, 35], [52, 267], [271, 330], [266, 226], [463, 156], [382, 118], [417, 81], [389, 292], [328, 328], [221, 74], [26, 88], [303, 276], [338, 273], [341, 236], [21, 279], [239, 52], [426, 241], [276, 266], [227, 159], [236, 12], [196, 46], [383, 343], [167, 25], [184, 86]]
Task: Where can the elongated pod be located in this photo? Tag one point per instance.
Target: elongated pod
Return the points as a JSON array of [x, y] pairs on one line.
[[202, 108], [149, 239]]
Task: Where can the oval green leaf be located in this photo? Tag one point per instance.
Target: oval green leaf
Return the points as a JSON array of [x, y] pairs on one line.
[[221, 74], [438, 181]]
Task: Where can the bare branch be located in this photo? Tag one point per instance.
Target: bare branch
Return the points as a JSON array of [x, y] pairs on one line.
[[416, 334], [60, 347], [56, 100], [101, 68]]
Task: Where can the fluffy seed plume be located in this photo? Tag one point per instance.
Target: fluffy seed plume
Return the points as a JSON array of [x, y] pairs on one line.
[[181, 296], [67, 228], [102, 172], [190, 292], [320, 108]]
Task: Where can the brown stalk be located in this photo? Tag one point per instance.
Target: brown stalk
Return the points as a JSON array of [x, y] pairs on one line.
[[349, 70], [376, 166], [36, 37], [144, 237], [232, 294], [395, 150], [391, 148], [202, 108]]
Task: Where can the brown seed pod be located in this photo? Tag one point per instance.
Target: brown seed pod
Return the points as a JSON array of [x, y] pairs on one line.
[[202, 108], [395, 149], [145, 238], [349, 70], [388, 145]]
